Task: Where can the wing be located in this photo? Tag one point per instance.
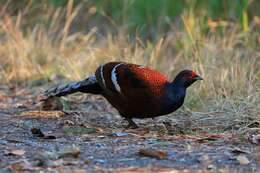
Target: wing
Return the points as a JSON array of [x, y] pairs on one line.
[[132, 89], [130, 79], [137, 81]]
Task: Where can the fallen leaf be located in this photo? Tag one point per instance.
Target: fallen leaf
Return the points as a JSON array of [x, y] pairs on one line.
[[243, 160], [42, 114], [70, 152], [15, 152], [38, 133], [153, 153], [206, 139], [18, 166], [138, 131], [70, 162], [70, 170], [237, 150], [3, 96], [78, 130], [21, 165], [143, 169]]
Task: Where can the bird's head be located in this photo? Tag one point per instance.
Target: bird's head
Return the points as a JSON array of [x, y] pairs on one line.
[[186, 77]]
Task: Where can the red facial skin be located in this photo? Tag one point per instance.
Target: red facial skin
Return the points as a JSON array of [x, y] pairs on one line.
[[192, 75]]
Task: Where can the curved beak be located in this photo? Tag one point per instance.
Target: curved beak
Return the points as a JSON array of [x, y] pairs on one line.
[[198, 78]]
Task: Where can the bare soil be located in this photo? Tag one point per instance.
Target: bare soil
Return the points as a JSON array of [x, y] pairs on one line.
[[90, 136]]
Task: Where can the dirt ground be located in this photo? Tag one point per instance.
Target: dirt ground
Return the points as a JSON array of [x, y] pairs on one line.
[[89, 136]]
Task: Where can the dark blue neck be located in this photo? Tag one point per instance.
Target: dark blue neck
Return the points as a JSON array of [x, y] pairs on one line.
[[173, 97], [176, 92]]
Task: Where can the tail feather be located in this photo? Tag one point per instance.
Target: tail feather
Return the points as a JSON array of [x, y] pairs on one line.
[[89, 85]]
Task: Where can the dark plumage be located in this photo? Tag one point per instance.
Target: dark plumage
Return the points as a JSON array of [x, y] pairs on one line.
[[135, 91]]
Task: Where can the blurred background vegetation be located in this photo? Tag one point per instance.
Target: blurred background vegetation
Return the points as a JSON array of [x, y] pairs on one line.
[[43, 39], [150, 18]]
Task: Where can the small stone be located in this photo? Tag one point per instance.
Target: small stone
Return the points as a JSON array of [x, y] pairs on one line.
[[120, 134], [15, 152], [243, 160], [153, 153], [211, 167], [70, 152]]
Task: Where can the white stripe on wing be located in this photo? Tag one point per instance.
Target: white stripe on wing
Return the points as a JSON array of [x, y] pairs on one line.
[[102, 76], [114, 78]]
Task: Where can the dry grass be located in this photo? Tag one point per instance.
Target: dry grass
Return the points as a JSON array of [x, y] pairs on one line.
[[230, 64]]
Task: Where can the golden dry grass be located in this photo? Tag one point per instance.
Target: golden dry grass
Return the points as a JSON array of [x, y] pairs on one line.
[[230, 64]]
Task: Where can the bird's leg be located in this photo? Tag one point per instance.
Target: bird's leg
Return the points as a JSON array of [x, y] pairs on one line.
[[131, 124], [155, 123], [154, 119]]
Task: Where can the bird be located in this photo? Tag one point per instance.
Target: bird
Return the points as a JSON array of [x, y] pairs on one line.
[[134, 90]]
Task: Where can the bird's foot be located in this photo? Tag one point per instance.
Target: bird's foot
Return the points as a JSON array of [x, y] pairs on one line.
[[131, 124]]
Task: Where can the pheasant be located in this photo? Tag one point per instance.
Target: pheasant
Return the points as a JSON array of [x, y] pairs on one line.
[[134, 90]]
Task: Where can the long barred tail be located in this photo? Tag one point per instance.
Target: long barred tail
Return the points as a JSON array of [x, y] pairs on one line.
[[89, 85]]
